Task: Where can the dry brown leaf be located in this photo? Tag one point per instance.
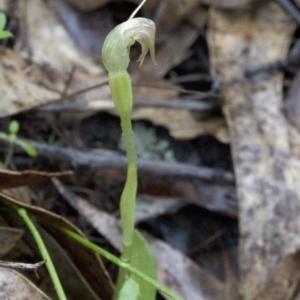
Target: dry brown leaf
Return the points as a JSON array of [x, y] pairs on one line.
[[214, 197], [175, 270], [47, 41], [283, 281], [269, 205], [25, 86], [10, 179], [15, 286], [184, 276], [8, 239], [20, 247], [100, 220], [75, 285], [169, 13], [62, 68], [87, 29], [23, 194], [87, 5], [182, 123], [173, 51], [149, 87], [16, 184], [151, 207], [231, 4]]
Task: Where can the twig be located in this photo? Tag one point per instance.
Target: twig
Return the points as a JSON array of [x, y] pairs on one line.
[[208, 241], [191, 78], [69, 81], [110, 159], [22, 266], [280, 65], [194, 105], [200, 95]]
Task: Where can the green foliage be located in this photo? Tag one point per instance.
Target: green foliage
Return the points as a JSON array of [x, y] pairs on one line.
[[130, 290], [13, 127], [143, 260], [12, 138], [28, 148], [4, 33]]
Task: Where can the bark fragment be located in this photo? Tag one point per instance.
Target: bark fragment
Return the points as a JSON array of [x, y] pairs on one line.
[[269, 203]]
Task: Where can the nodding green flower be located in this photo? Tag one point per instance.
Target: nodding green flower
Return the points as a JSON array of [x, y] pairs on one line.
[[115, 51]]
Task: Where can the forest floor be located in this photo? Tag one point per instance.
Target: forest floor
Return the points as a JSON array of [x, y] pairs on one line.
[[217, 137]]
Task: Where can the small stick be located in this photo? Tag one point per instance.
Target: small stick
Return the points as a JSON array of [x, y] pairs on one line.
[[110, 159], [21, 266], [193, 105]]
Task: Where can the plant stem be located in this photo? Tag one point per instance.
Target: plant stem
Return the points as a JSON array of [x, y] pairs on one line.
[[44, 252], [9, 154], [120, 85], [119, 262], [128, 198]]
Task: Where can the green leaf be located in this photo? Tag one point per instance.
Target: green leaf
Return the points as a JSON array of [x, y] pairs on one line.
[[28, 148], [2, 20], [130, 290], [5, 34], [143, 260], [12, 137], [3, 135], [13, 126]]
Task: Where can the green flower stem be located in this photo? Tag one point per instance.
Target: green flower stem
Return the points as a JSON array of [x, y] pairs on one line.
[[121, 91], [115, 56], [49, 264], [120, 85], [119, 263]]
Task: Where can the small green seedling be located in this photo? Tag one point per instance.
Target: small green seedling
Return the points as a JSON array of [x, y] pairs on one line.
[[12, 138], [4, 34]]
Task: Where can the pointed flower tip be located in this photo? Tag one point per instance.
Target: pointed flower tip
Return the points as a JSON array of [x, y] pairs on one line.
[[144, 33], [115, 50], [145, 50]]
